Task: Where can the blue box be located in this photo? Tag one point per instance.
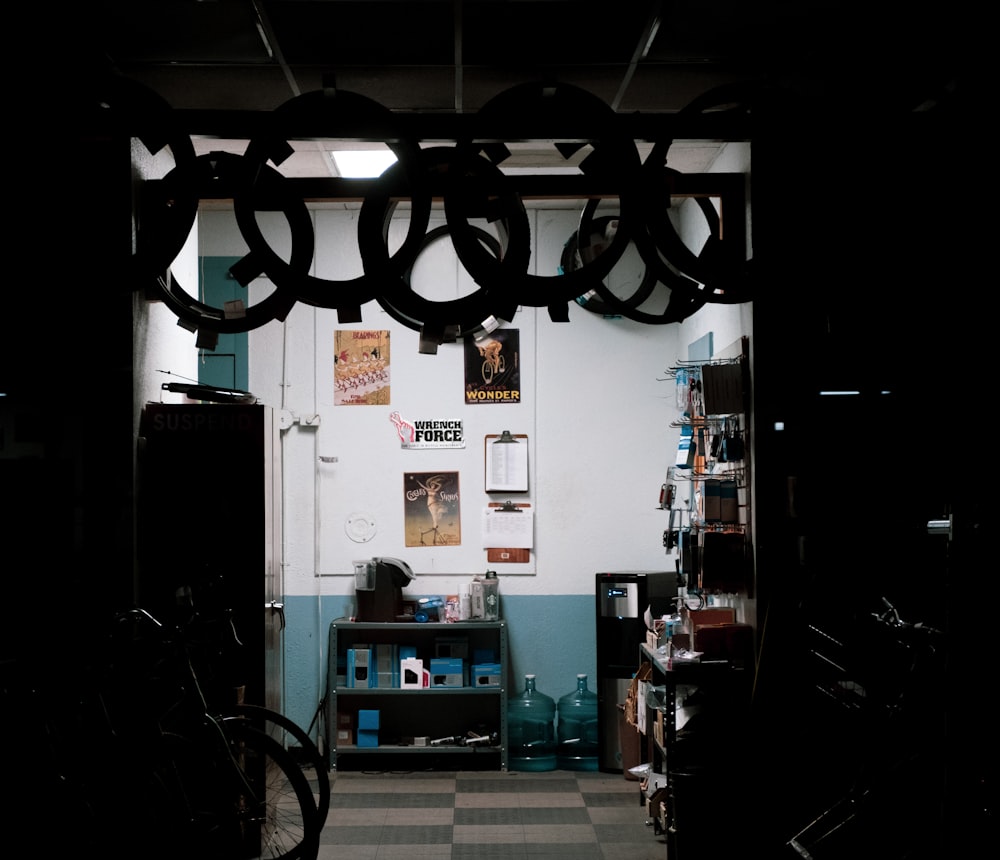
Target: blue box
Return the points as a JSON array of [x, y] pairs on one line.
[[447, 672], [367, 737], [486, 675], [368, 719], [359, 667]]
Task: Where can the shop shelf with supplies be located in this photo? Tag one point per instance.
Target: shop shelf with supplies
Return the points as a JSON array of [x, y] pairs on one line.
[[697, 714], [459, 722]]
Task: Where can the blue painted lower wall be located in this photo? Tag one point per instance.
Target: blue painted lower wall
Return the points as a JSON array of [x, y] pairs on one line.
[[549, 636]]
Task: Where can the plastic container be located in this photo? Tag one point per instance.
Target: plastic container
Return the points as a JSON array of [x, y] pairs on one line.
[[576, 748], [491, 597], [531, 730]]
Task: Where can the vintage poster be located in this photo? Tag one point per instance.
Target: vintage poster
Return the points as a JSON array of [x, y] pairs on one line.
[[360, 367], [493, 368], [431, 509]]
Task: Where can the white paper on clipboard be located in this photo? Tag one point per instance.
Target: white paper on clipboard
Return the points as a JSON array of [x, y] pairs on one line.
[[507, 463], [508, 529]]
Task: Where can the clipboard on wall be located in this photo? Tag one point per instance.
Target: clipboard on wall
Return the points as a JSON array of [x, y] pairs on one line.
[[520, 554], [506, 462]]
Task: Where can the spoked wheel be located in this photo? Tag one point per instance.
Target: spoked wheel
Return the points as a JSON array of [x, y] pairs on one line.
[[308, 757], [248, 801], [277, 820]]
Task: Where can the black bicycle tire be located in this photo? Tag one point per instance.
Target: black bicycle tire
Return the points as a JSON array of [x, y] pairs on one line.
[[615, 158], [432, 326], [572, 250], [307, 847], [684, 298], [183, 181], [310, 751], [123, 107], [725, 281], [339, 113], [439, 320]]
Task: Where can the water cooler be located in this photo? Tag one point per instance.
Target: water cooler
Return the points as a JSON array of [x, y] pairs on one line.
[[622, 599]]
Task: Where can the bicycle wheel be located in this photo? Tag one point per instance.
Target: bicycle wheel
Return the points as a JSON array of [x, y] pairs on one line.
[[237, 797], [309, 758], [278, 820]]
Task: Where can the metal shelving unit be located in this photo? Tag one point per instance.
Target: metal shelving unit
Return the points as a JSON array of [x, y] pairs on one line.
[[440, 714]]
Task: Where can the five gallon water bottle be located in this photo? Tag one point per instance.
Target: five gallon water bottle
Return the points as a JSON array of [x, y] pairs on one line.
[[577, 740], [531, 730]]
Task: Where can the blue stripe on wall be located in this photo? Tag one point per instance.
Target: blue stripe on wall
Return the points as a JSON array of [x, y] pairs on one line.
[[549, 636]]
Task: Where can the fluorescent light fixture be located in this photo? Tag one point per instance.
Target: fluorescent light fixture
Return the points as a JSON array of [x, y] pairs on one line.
[[838, 393], [362, 163]]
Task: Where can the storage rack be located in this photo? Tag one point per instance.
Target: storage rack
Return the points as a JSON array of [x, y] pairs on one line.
[[434, 713], [708, 468], [697, 717]]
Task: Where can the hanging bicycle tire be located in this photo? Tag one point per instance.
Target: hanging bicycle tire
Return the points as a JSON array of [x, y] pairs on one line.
[[435, 333], [448, 320], [571, 259], [684, 298], [337, 113], [124, 108], [228, 172], [614, 159], [723, 278]]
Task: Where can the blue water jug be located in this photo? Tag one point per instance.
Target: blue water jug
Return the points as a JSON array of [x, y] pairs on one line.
[[531, 730], [577, 734]]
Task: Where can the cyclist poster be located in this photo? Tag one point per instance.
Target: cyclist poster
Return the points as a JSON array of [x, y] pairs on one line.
[[493, 368], [360, 368], [431, 509]]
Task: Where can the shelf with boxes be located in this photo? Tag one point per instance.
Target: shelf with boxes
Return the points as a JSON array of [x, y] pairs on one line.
[[696, 728], [433, 690]]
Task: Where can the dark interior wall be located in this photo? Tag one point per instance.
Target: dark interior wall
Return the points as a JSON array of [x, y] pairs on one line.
[[66, 369], [872, 279]]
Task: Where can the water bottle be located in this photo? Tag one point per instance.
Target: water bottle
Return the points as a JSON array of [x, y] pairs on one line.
[[491, 597], [577, 735], [531, 730]]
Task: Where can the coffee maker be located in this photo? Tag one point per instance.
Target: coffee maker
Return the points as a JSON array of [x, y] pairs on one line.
[[378, 587]]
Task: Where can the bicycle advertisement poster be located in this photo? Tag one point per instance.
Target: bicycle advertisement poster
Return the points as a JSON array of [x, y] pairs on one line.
[[493, 368]]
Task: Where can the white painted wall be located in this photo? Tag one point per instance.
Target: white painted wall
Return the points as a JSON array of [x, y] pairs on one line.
[[597, 407]]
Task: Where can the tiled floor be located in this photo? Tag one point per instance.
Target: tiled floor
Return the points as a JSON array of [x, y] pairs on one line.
[[450, 816]]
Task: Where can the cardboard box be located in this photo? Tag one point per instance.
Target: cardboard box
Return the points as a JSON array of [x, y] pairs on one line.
[[486, 675], [713, 500], [733, 642], [729, 505], [447, 672], [712, 615], [345, 728]]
